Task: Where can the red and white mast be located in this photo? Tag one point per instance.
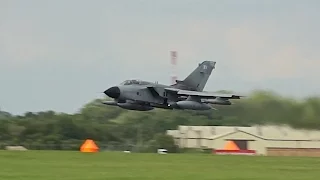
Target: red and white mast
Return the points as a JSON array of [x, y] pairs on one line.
[[173, 64]]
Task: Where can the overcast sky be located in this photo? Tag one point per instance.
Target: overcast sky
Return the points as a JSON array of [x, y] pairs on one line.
[[59, 55]]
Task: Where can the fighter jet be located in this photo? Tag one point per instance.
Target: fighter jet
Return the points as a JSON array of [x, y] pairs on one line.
[[187, 94]]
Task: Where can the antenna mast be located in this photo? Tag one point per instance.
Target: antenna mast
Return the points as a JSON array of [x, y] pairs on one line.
[[173, 64]]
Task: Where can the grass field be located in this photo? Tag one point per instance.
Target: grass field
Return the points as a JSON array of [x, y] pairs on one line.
[[59, 165]]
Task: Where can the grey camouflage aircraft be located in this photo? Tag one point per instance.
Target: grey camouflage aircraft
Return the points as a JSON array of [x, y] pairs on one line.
[[187, 94]]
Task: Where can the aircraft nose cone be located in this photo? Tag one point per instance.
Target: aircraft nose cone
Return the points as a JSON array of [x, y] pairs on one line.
[[113, 92]]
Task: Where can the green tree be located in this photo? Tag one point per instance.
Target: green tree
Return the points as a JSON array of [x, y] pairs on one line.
[[110, 125], [162, 141]]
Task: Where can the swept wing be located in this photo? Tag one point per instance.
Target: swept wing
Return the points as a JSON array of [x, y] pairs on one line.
[[203, 94]]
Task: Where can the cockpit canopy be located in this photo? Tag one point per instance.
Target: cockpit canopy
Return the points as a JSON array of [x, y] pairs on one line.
[[134, 81]]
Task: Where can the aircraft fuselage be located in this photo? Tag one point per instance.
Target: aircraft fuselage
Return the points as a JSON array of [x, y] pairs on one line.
[[187, 94]]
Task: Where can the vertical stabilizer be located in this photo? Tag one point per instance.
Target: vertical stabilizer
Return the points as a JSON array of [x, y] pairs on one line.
[[197, 80]]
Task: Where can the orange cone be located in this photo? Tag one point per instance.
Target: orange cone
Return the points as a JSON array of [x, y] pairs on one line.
[[230, 145], [89, 146]]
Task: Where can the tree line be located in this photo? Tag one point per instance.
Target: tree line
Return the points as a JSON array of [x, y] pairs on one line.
[[113, 126]]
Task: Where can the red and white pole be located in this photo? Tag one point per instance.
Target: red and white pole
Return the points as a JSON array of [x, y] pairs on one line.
[[173, 64]]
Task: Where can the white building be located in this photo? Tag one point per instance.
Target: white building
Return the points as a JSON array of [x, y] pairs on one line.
[[265, 140]]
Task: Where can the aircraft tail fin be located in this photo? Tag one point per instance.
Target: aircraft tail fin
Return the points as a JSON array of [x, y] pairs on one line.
[[199, 77]]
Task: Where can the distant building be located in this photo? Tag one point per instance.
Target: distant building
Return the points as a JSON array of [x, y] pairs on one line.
[[264, 140]]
